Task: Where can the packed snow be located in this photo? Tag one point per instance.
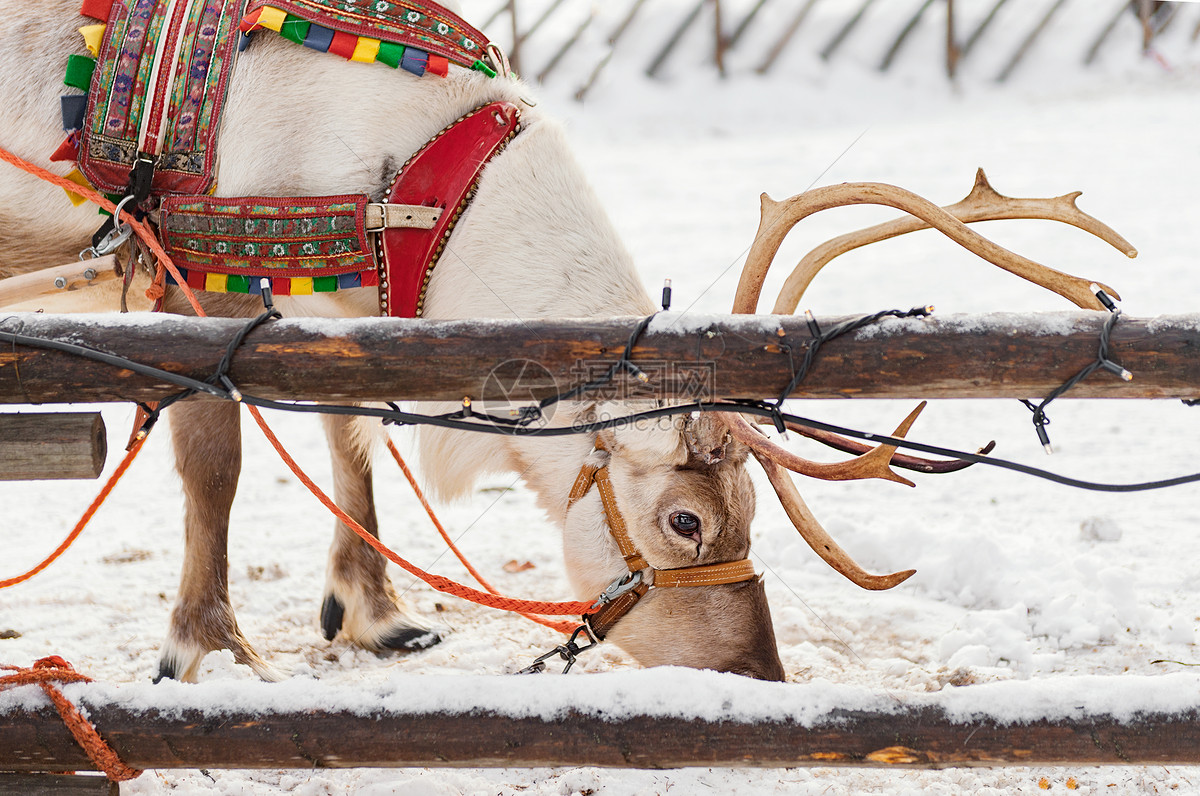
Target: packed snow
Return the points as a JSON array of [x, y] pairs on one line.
[[1028, 596]]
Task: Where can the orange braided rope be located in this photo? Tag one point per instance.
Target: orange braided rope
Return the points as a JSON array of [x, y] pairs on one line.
[[156, 291], [562, 627], [438, 582], [45, 673], [84, 520]]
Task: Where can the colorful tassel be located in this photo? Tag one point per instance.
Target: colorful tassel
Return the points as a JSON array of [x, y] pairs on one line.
[[365, 50], [272, 18], [74, 106], [68, 150], [438, 65], [390, 53], [76, 176], [295, 29], [319, 38], [93, 36], [96, 9], [214, 283], [414, 61], [79, 71]]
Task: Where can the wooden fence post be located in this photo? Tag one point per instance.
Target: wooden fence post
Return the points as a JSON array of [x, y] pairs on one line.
[[50, 446]]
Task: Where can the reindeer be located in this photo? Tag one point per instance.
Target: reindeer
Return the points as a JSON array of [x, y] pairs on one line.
[[534, 243]]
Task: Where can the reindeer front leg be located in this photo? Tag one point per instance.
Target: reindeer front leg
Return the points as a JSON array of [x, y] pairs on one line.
[[208, 455], [360, 602]]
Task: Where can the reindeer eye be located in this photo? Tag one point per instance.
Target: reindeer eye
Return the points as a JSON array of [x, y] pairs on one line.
[[685, 524]]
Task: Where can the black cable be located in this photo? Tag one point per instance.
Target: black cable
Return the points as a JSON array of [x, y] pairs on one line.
[[1040, 421], [484, 423]]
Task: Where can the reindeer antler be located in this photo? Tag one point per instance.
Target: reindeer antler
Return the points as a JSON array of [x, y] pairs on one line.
[[778, 218], [871, 464], [983, 203], [817, 537]]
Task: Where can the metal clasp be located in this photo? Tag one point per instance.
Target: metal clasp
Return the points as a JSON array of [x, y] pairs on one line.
[[118, 235], [568, 652], [627, 582]]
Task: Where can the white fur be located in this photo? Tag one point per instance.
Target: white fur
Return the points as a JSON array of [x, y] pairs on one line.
[[535, 243]]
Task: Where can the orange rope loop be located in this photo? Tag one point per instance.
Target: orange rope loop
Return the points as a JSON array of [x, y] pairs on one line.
[[562, 627], [438, 582], [45, 673], [84, 520]]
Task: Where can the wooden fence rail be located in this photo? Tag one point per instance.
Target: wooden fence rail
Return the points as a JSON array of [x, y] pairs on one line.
[[906, 736], [684, 356]]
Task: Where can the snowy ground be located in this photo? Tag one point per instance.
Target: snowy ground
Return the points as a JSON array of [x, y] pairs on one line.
[[1017, 579]]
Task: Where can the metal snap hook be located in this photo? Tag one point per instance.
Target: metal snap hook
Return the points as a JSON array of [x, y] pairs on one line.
[[569, 652], [113, 240]]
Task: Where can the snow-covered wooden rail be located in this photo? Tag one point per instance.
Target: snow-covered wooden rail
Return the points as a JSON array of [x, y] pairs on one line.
[[684, 355], [665, 718]]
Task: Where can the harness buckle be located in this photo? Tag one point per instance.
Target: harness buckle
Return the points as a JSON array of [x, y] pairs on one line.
[[627, 582], [568, 652], [115, 236]]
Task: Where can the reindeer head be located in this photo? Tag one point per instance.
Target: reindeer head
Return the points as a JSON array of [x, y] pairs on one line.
[[685, 496], [682, 496]]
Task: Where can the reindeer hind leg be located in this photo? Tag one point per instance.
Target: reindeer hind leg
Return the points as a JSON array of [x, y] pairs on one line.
[[360, 602]]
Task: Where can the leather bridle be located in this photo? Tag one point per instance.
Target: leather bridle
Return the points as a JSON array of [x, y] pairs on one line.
[[624, 593]]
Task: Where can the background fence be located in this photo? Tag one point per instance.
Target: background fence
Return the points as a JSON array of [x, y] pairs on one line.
[[992, 39]]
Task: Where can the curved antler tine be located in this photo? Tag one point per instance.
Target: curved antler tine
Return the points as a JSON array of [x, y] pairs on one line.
[[817, 537], [779, 217], [983, 203], [872, 464], [903, 461]]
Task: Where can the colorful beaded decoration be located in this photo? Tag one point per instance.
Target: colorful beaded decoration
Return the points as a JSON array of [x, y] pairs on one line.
[[413, 35], [316, 244]]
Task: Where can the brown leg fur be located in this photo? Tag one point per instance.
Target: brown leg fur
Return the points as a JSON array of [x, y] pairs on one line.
[[208, 456], [359, 600]]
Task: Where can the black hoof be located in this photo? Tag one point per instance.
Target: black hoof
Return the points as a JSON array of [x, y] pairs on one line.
[[166, 671], [410, 639], [332, 612]]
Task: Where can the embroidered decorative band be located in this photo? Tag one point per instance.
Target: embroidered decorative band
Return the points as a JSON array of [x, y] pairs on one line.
[[160, 80], [410, 34], [317, 243]]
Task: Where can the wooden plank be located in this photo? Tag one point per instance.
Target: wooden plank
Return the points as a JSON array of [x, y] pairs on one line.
[[903, 35], [673, 41], [786, 38], [905, 736], [1000, 355], [52, 446], [980, 29], [844, 32], [613, 39], [989, 356], [1029, 42], [56, 785], [58, 280]]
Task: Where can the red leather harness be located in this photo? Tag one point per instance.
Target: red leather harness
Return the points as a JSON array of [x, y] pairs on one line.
[[443, 174]]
